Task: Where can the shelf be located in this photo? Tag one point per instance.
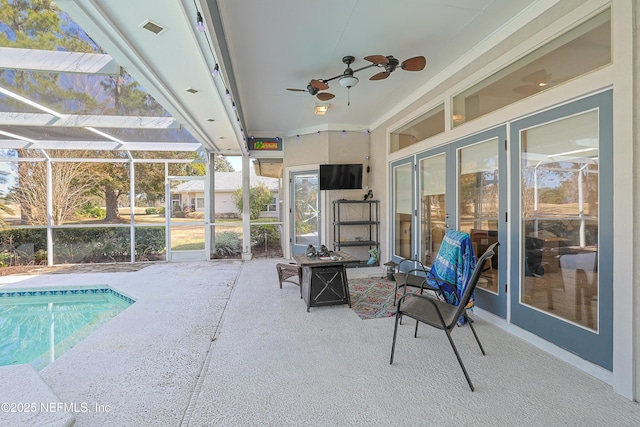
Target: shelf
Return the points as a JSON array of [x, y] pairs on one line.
[[356, 243], [354, 201], [366, 236], [355, 222]]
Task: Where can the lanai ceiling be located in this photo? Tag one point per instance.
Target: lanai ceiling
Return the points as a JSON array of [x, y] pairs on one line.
[[264, 47]]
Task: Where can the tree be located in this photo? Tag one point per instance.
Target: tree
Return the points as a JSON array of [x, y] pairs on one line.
[[6, 209], [259, 197], [71, 182], [39, 24], [221, 164]]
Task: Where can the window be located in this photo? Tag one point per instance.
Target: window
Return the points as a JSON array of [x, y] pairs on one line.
[[425, 126], [273, 206], [579, 51]]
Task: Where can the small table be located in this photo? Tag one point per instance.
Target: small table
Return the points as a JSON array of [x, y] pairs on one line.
[[324, 280]]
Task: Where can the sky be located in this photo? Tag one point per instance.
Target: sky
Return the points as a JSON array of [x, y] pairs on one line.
[[236, 162]]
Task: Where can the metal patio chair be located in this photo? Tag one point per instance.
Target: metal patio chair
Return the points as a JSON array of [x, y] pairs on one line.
[[440, 314]]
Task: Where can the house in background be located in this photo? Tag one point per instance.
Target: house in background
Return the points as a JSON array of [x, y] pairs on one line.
[[191, 194]]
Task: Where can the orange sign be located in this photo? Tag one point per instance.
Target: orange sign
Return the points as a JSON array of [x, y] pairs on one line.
[[265, 145]]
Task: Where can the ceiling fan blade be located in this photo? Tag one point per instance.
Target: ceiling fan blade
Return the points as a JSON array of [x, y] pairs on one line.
[[296, 90], [537, 77], [527, 89], [377, 59], [380, 76], [414, 64], [325, 96], [319, 84]]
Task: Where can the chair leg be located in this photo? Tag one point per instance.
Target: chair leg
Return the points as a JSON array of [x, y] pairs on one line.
[[395, 294], [474, 333], [395, 334], [415, 334], [455, 350]]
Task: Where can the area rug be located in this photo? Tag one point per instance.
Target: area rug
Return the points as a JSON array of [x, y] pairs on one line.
[[372, 298]]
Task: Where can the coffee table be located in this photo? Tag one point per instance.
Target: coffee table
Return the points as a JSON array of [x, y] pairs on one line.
[[324, 279]]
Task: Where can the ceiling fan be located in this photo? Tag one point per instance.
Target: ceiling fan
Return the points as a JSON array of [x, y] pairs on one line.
[[348, 80]]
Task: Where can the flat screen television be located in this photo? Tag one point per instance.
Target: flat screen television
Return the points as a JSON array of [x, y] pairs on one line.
[[341, 177]]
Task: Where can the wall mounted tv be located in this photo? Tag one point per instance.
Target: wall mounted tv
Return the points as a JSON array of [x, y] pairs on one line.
[[341, 177]]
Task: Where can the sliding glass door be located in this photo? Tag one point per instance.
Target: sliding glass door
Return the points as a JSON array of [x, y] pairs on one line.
[[403, 207], [480, 165], [456, 186], [305, 210], [563, 235]]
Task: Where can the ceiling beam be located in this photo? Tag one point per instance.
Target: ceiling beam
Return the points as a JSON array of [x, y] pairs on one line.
[[77, 120], [12, 58], [20, 143]]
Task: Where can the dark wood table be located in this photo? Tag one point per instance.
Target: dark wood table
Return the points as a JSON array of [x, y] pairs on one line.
[[324, 280]]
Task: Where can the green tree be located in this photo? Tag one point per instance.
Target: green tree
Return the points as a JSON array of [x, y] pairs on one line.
[[221, 164], [6, 209], [259, 197], [40, 25]]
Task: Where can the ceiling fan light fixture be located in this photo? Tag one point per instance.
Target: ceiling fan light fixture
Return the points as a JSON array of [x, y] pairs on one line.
[[321, 109], [348, 81]]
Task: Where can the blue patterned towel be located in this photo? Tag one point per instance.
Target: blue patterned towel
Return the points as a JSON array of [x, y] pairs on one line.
[[454, 263]]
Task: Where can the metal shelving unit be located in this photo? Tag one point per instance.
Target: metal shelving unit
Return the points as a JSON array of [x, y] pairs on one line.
[[356, 224]]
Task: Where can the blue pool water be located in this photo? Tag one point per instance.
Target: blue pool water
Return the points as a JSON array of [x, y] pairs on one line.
[[38, 325]]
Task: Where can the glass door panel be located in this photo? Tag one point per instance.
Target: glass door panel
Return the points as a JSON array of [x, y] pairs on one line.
[[559, 205], [402, 207], [433, 208], [305, 210], [564, 237], [186, 227], [478, 202], [480, 209]]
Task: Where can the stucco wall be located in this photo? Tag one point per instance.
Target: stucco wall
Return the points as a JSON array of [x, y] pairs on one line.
[[328, 147]]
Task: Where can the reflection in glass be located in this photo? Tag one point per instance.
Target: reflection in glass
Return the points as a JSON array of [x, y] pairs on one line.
[[577, 52], [559, 173], [306, 209], [432, 206], [478, 203], [429, 124], [402, 210]]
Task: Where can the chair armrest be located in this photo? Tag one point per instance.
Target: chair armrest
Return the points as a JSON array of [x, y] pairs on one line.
[[418, 280], [453, 285]]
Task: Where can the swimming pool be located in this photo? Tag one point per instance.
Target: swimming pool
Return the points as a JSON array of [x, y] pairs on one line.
[[38, 325]]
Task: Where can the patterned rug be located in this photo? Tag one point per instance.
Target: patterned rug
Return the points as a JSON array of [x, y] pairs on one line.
[[372, 298]]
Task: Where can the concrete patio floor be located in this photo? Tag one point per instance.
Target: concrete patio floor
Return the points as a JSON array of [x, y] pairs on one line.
[[218, 343]]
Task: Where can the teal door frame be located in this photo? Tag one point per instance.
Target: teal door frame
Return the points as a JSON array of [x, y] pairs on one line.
[[596, 347], [495, 303]]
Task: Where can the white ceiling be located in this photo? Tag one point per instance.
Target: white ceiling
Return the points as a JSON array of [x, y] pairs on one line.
[[265, 47]]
